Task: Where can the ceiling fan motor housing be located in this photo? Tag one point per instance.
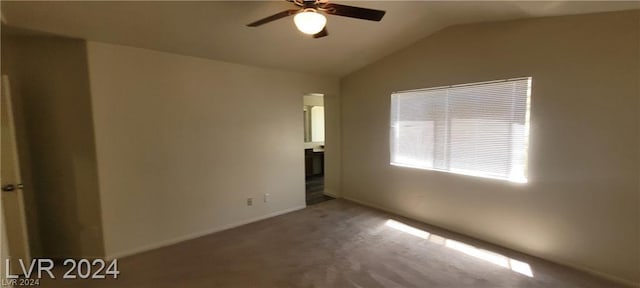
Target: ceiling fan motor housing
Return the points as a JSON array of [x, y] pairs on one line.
[[317, 6]]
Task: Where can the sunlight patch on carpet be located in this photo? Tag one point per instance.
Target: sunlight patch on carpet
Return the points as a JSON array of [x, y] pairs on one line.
[[489, 256]]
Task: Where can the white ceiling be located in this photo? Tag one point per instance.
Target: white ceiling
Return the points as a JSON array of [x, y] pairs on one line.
[[216, 29]]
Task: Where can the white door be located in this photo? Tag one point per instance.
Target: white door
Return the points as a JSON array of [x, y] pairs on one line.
[[15, 225]]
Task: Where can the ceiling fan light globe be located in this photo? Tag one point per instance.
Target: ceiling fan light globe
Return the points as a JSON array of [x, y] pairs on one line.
[[310, 22]]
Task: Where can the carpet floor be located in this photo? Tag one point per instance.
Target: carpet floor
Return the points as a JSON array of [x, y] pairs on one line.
[[336, 244]]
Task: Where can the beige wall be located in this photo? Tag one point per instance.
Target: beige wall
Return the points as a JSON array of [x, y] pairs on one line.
[[581, 205], [182, 142], [50, 88], [313, 100]]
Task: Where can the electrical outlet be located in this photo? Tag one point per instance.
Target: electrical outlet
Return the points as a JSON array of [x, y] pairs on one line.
[[249, 201], [266, 197]]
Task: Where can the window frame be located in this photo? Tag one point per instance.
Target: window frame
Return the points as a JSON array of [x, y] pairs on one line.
[[458, 171]]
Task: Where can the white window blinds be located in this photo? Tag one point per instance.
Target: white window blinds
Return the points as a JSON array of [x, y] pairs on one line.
[[479, 129]]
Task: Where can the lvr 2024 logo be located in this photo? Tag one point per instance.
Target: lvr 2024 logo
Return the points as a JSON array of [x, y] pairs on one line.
[[82, 269]]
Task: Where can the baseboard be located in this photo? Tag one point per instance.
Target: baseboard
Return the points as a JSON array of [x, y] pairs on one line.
[[192, 236], [334, 195], [599, 274]]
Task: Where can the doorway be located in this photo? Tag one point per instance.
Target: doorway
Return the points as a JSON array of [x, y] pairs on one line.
[[314, 145], [14, 241]]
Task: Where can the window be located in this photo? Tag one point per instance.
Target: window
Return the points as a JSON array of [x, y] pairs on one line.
[[479, 129]]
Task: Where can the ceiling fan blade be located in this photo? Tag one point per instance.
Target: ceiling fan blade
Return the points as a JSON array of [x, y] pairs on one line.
[[273, 17], [353, 12], [322, 33]]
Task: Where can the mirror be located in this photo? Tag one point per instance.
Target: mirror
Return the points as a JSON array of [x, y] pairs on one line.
[[313, 110]]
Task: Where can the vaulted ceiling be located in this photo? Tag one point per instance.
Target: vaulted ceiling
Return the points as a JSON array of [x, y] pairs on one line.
[[217, 30]]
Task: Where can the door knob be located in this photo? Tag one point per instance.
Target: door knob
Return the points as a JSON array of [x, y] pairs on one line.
[[8, 188]]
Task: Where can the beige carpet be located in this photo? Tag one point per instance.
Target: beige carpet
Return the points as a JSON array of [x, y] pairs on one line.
[[335, 244]]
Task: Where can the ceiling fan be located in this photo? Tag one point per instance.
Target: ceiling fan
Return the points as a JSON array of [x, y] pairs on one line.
[[309, 18]]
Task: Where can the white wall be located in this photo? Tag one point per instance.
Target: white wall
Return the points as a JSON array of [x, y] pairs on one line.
[[183, 141], [317, 124], [581, 205]]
